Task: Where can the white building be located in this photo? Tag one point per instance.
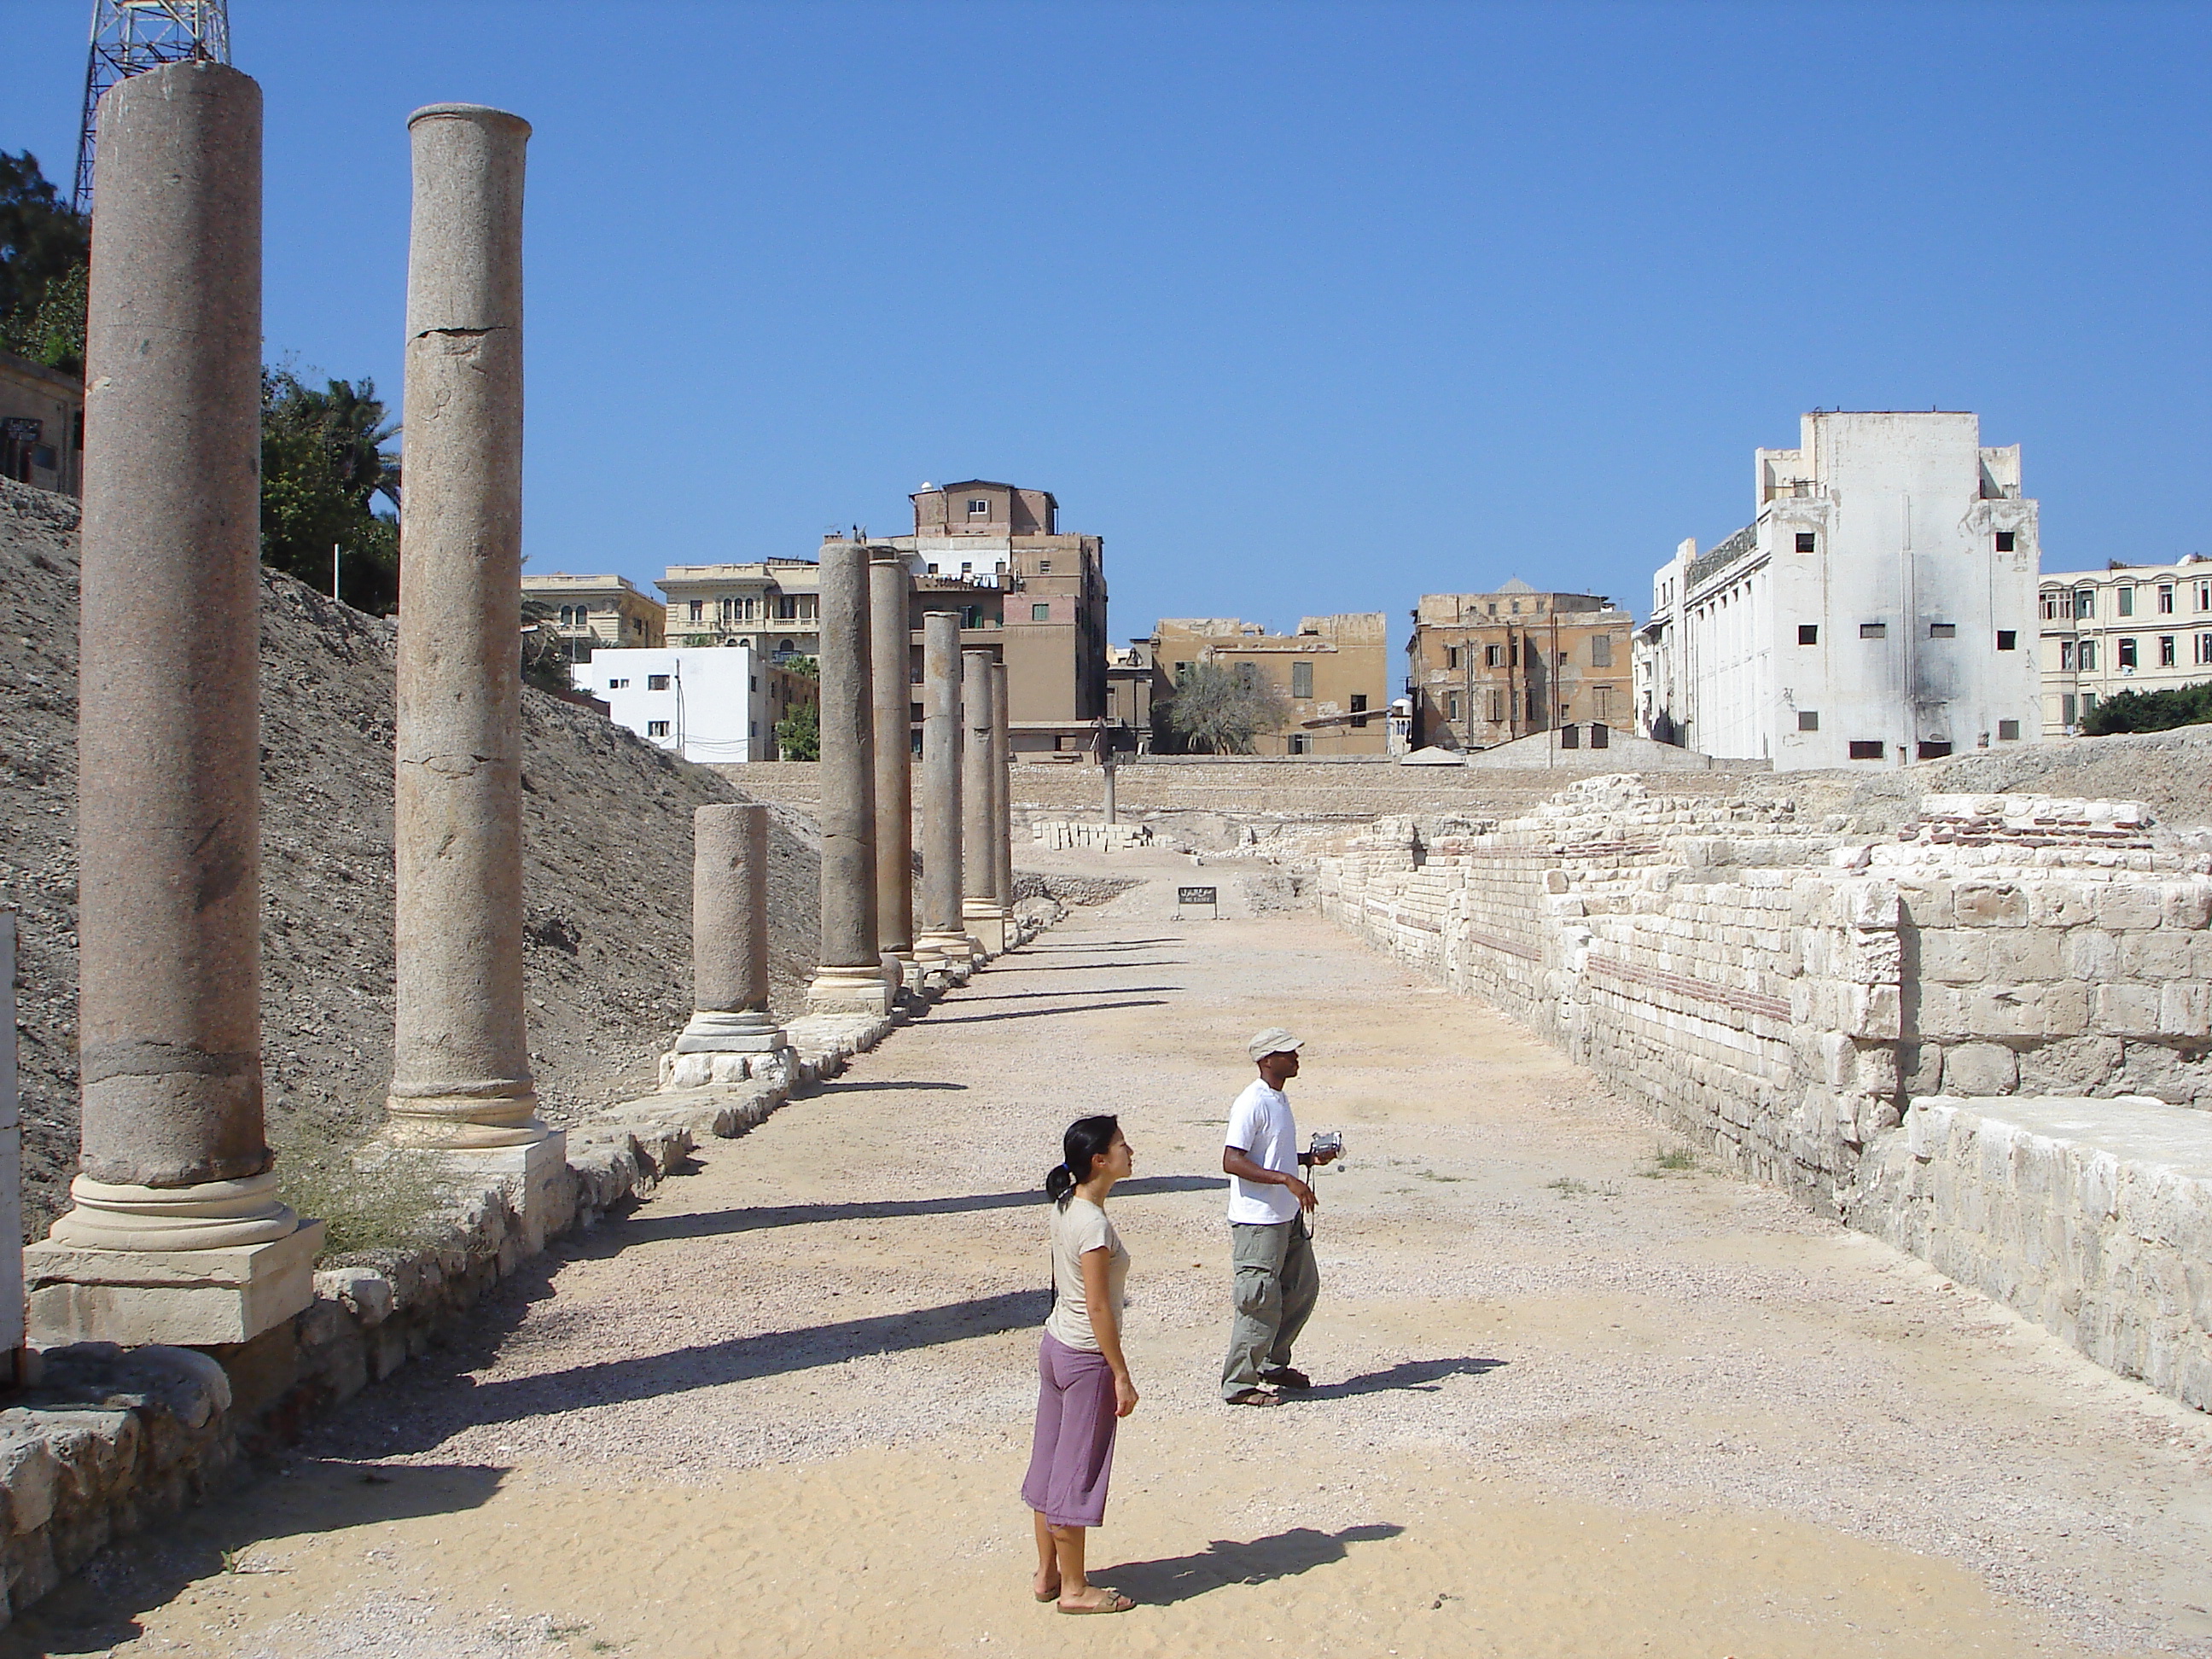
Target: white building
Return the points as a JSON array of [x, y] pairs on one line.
[[2129, 628], [1879, 609], [713, 703]]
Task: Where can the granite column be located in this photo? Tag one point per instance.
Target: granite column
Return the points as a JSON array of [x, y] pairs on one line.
[[981, 909], [730, 1016], [943, 930], [890, 662], [850, 978], [1002, 781]]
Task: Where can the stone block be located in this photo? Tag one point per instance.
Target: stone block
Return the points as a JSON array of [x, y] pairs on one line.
[[2091, 955], [2126, 1010], [1955, 955], [2060, 903], [2163, 954], [1873, 1012], [1991, 904], [2124, 905], [1980, 1068], [181, 1298], [2184, 1008], [2189, 903]]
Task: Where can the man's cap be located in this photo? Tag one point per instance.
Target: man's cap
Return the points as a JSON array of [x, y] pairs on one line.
[[1274, 1041]]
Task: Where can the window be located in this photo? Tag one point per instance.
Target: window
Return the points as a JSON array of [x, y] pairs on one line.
[[2005, 542], [1513, 652], [1806, 541], [2065, 656], [1531, 714], [1808, 719], [2007, 640], [2205, 596], [1247, 675], [1600, 651], [2165, 600], [2066, 710], [1942, 630], [1490, 656], [2127, 653], [2127, 601], [2084, 603], [2166, 651], [2052, 600], [1359, 710], [1302, 678], [1570, 737], [1562, 660], [1935, 750], [978, 507], [1874, 630], [1451, 656], [1041, 613], [1044, 567], [2204, 648], [656, 728], [637, 624], [1863, 750], [1497, 705], [656, 682], [1183, 672], [2085, 656], [1517, 607], [1493, 607], [1601, 736], [2088, 701], [617, 685], [583, 616], [1451, 707], [698, 610], [1809, 633], [1299, 742], [2008, 731]]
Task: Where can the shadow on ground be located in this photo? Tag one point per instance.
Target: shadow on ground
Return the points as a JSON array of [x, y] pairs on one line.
[[1225, 1561], [1047, 1013], [1411, 1375]]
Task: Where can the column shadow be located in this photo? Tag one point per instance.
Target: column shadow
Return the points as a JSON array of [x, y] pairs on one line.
[[1046, 1013], [644, 1227], [1225, 1561]]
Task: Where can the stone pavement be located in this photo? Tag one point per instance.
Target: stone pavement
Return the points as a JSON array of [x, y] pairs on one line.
[[1573, 1398]]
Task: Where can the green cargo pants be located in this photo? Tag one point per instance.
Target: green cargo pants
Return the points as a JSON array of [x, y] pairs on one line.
[[1277, 1285]]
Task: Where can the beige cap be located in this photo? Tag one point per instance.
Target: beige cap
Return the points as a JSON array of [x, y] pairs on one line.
[[1274, 1041]]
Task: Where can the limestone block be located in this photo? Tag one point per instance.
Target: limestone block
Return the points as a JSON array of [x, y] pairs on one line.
[[2127, 1010], [1838, 1059], [182, 1298], [2091, 955], [2163, 954], [1991, 904], [2189, 903], [1874, 1011], [1875, 957], [2060, 903], [363, 1292], [2029, 953], [2126, 905], [2184, 1008], [1955, 955]]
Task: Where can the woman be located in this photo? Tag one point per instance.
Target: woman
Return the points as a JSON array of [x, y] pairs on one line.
[[1084, 1381]]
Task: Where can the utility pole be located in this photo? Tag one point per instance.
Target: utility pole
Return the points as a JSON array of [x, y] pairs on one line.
[[129, 37], [334, 570]]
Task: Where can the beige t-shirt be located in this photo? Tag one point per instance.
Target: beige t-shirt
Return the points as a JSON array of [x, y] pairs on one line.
[[1077, 1227]]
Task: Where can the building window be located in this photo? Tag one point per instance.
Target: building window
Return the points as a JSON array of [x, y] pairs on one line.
[[1934, 751], [1497, 705], [1806, 541], [2052, 600], [1302, 680], [2205, 596], [2007, 640], [2008, 731], [1531, 715], [656, 682], [656, 728], [1451, 656], [1247, 675], [2066, 710], [1359, 710], [2204, 648], [1601, 650], [2065, 656], [1601, 736], [2084, 603], [1808, 719], [2085, 656], [1863, 750], [1297, 742], [2127, 653], [698, 610], [978, 507], [1489, 655], [1182, 673], [2088, 702], [617, 685], [2165, 600], [1942, 630], [1041, 613], [2127, 601], [2166, 649], [1451, 707], [1809, 633], [1570, 737], [1044, 567], [1517, 607], [1874, 630], [583, 616], [2004, 540]]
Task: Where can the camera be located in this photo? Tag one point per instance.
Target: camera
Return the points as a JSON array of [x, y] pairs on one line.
[[1326, 1142]]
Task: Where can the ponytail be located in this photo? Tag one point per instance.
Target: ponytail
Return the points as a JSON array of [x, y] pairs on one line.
[[1086, 1141], [1059, 1182]]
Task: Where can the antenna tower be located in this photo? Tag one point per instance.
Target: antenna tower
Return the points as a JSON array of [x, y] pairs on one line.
[[129, 37]]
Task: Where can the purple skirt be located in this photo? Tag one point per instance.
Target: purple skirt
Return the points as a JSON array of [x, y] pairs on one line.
[[1072, 1455]]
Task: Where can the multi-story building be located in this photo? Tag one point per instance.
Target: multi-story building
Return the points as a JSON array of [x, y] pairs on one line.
[[774, 606], [1334, 672], [2126, 628], [596, 613], [1879, 609], [41, 426], [1483, 669], [1129, 697], [710, 704]]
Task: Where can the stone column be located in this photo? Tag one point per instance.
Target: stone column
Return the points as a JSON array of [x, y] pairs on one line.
[[980, 906], [850, 980], [177, 1234], [942, 930], [1002, 781], [731, 1035], [460, 1059], [1106, 765], [890, 662]]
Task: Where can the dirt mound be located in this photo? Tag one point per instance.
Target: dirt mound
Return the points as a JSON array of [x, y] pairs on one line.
[[608, 879]]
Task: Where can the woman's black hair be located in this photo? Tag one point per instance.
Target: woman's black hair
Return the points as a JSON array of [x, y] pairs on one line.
[[1086, 1140]]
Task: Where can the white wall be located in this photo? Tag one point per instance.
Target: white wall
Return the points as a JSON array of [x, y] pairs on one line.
[[710, 706]]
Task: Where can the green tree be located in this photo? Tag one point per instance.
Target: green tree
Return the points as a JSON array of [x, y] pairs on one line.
[[1218, 710], [799, 733], [2150, 711], [43, 246], [545, 653], [325, 459]]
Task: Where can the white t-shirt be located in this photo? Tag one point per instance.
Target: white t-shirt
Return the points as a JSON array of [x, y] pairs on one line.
[[1078, 1227], [1261, 1124]]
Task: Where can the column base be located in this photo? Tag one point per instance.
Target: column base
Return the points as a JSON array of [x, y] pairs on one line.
[[702, 1071], [465, 1117], [739, 1031], [183, 1298], [986, 926], [545, 1193], [851, 991]]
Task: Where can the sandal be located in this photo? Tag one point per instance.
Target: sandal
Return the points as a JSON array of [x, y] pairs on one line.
[[1052, 1595], [1283, 1377], [1114, 1602], [1256, 1397]]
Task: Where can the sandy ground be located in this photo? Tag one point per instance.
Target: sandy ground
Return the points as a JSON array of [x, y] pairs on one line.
[[1570, 1402]]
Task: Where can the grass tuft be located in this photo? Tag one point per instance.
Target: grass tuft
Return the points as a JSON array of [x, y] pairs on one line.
[[369, 1201]]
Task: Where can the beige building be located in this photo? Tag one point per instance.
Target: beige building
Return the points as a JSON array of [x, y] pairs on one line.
[[41, 426], [1483, 669], [774, 604], [1334, 673], [595, 613], [2127, 628]]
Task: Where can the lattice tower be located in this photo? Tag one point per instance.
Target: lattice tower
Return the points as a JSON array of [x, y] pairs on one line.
[[129, 37]]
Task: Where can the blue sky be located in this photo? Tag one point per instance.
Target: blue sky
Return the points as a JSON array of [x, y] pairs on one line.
[[1304, 307]]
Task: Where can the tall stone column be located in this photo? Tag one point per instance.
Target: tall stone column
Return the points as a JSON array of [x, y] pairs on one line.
[[981, 907], [460, 1071], [850, 978], [890, 659], [177, 1234], [731, 1033], [1002, 780], [943, 930]]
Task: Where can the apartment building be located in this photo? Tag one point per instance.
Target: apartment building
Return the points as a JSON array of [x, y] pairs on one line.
[[712, 704], [772, 605], [1129, 697], [1334, 672], [1483, 669], [596, 613], [2126, 628], [41, 426], [1879, 609]]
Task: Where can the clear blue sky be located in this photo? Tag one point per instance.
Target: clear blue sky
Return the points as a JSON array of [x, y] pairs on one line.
[[1304, 307]]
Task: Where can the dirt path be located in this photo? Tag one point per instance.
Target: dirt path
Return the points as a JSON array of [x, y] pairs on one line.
[[1571, 1402]]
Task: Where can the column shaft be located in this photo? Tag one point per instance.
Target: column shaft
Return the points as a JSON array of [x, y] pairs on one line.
[[1002, 781], [890, 666], [729, 933], [851, 978], [980, 906], [942, 927]]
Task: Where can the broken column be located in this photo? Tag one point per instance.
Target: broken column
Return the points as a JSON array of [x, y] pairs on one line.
[[731, 1035], [981, 908], [890, 656], [177, 1234], [943, 930], [850, 978], [1002, 780]]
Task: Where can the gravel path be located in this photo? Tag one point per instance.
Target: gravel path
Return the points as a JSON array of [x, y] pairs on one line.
[[1573, 1401]]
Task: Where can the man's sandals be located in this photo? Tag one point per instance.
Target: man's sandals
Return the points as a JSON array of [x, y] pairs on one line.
[[1114, 1601], [1256, 1397], [1282, 1376]]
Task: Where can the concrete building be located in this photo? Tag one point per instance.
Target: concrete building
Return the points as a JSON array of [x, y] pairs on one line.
[[596, 613], [1879, 609], [774, 606], [1129, 697], [713, 704], [41, 426], [1334, 672], [2126, 628], [1485, 669]]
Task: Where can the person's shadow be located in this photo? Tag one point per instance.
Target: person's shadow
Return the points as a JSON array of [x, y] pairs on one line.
[[1412, 1376], [1225, 1561]]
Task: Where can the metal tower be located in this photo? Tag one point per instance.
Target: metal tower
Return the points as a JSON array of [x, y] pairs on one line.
[[129, 37]]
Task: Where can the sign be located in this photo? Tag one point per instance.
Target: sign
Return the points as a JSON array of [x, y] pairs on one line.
[[1198, 896]]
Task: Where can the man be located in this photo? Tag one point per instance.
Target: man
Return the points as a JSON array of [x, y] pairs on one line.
[[1270, 1245]]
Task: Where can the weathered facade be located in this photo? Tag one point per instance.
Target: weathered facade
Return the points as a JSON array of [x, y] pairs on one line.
[[2128, 627], [772, 605], [1879, 609], [1334, 672], [1485, 669], [41, 426], [593, 613]]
